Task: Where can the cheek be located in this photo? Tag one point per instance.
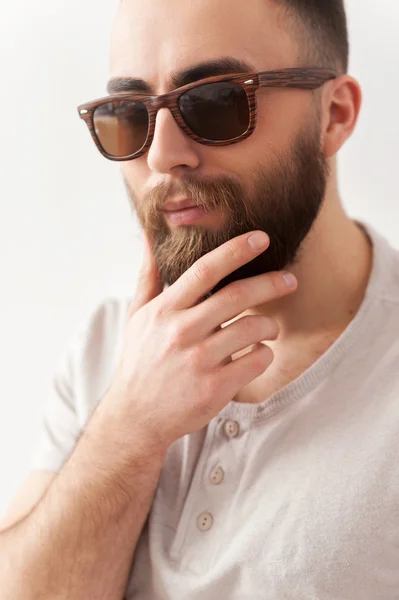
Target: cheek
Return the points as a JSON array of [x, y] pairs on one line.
[[280, 116], [136, 175]]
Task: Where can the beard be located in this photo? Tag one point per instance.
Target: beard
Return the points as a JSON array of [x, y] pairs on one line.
[[284, 200]]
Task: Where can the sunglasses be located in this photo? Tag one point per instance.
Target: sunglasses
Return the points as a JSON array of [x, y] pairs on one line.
[[216, 111]]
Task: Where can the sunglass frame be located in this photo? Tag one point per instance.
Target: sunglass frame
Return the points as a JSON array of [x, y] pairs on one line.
[[294, 77]]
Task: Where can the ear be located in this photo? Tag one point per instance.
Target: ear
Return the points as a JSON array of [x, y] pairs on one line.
[[341, 106]]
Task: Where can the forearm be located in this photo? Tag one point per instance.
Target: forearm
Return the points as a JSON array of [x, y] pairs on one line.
[[79, 541]]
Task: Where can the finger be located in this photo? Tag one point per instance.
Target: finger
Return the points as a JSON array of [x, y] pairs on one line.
[[236, 298], [241, 334], [210, 269], [149, 285], [241, 371]]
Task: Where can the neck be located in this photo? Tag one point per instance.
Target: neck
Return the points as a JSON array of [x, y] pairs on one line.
[[333, 270]]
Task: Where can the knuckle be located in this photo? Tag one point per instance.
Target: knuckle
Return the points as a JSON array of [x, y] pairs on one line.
[[196, 358], [234, 247], [235, 294], [277, 284], [176, 336], [159, 311], [163, 305], [250, 325], [201, 271], [274, 283]]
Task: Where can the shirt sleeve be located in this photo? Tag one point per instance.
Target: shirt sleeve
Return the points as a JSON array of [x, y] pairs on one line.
[[80, 379], [59, 430]]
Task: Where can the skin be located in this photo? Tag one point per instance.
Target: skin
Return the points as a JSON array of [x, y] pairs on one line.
[[334, 262]]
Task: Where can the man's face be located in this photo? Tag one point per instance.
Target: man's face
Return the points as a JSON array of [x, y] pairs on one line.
[[275, 180]]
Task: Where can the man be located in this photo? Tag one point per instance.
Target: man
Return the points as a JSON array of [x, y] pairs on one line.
[[231, 431]]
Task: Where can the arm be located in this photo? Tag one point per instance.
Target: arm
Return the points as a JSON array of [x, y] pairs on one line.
[[174, 376], [98, 501]]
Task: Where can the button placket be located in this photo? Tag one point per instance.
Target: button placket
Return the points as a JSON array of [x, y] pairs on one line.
[[202, 520], [216, 476], [191, 512], [231, 429]]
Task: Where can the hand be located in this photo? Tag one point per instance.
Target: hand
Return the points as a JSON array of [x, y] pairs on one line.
[[176, 371]]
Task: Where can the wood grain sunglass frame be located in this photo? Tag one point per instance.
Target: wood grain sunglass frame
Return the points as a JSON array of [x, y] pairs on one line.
[[303, 78]]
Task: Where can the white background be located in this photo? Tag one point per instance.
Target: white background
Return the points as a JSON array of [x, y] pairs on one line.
[[67, 237]]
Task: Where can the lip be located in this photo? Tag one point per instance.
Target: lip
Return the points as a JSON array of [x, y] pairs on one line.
[[180, 205], [186, 216]]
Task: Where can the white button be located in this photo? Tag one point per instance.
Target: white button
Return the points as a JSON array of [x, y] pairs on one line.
[[216, 476], [204, 521], [231, 429]]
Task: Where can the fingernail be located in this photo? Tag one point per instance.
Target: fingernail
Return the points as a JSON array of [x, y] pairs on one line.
[[289, 279], [258, 240]]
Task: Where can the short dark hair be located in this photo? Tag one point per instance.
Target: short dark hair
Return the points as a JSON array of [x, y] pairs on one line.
[[322, 29]]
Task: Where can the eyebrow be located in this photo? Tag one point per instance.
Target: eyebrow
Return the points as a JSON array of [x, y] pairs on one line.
[[202, 70]]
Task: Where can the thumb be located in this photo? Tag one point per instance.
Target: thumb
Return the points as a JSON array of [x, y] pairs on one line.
[[149, 285]]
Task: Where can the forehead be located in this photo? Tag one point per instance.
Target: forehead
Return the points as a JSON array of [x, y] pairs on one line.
[[155, 38]]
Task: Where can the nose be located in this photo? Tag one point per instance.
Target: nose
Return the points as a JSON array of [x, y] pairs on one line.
[[171, 147]]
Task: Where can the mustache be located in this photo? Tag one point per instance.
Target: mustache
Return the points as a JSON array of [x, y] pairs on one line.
[[220, 192]]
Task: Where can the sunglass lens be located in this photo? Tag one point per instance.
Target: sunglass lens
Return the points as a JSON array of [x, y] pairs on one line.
[[121, 127], [216, 111]]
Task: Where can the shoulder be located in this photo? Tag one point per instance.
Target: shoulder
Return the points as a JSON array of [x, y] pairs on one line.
[[107, 320], [384, 280], [95, 352], [104, 329]]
